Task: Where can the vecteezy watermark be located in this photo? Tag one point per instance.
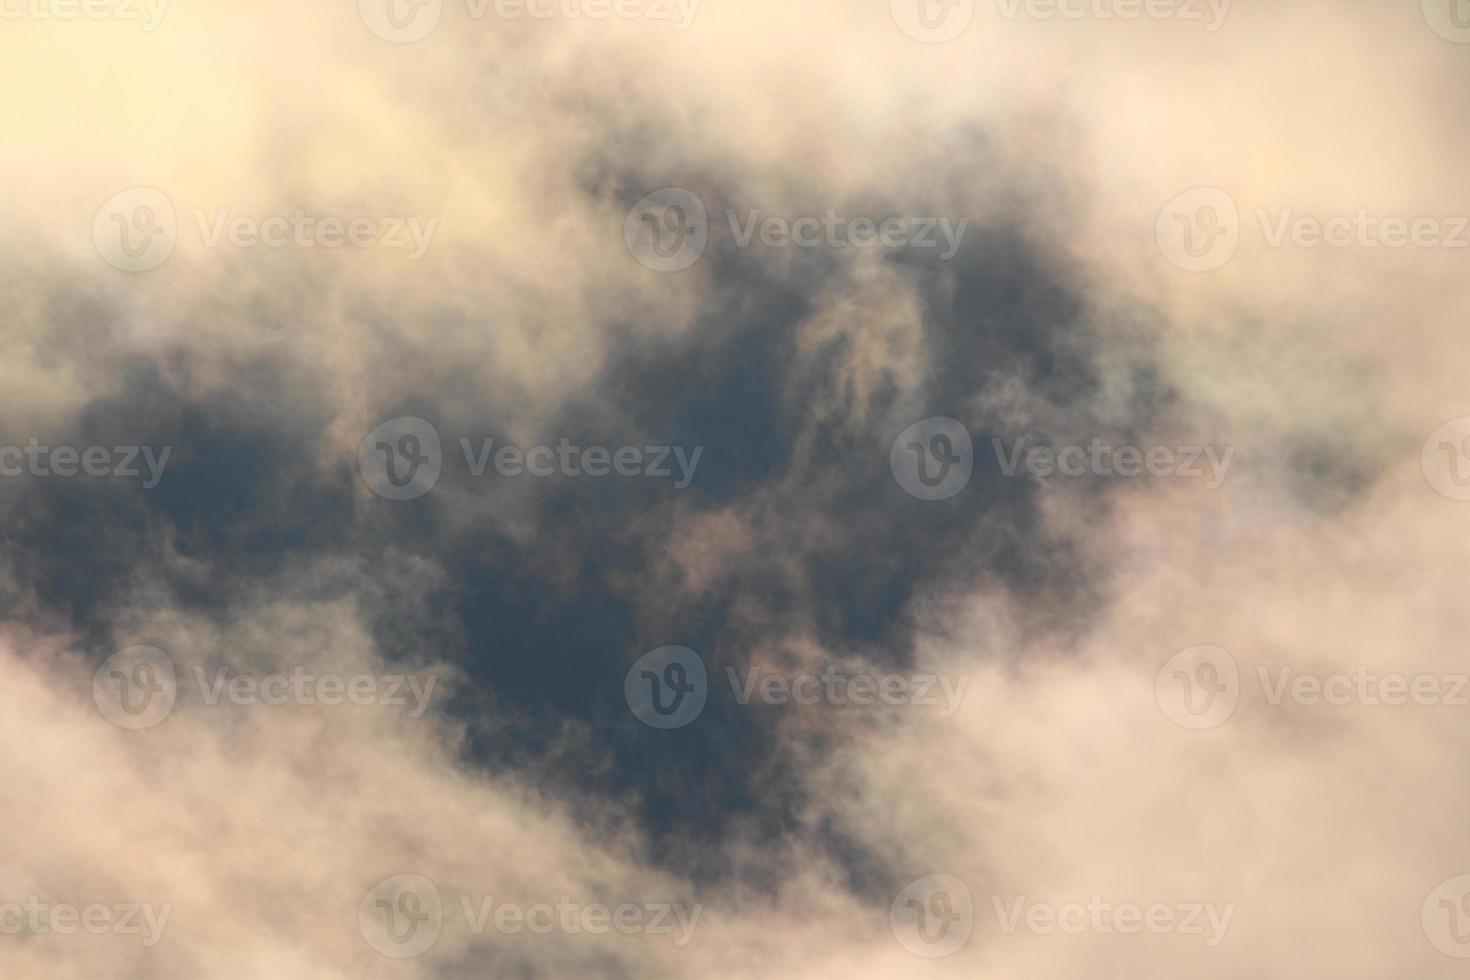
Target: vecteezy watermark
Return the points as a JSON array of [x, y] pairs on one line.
[[1205, 920], [403, 459], [137, 688], [933, 459], [668, 688], [406, 21], [932, 21], [1200, 687], [937, 21], [833, 230], [933, 916], [1446, 459], [402, 917], [1446, 917], [1200, 230], [34, 917], [120, 461], [838, 688], [147, 12], [137, 229], [1211, 13], [1450, 19], [669, 229], [1101, 458]]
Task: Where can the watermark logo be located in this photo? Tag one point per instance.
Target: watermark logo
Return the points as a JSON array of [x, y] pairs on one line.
[[1201, 687], [135, 230], [1450, 19], [667, 688], [1446, 459], [138, 687], [933, 459], [1198, 688], [401, 459], [932, 21], [933, 916], [401, 21], [401, 916], [667, 231], [135, 688], [1446, 917], [1199, 230]]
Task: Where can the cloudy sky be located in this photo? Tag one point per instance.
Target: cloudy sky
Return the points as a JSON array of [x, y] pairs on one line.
[[734, 489]]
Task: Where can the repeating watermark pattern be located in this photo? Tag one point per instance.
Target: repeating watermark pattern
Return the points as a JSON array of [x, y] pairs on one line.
[[1210, 13], [403, 916], [1446, 917], [834, 687], [1207, 921], [37, 460], [148, 13], [1446, 459], [406, 21], [33, 917], [1450, 19], [138, 687], [934, 459], [403, 458], [933, 916], [136, 230], [669, 687], [668, 230], [1200, 230], [1200, 687]]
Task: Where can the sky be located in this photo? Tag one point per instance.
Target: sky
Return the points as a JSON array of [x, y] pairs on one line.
[[731, 489]]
